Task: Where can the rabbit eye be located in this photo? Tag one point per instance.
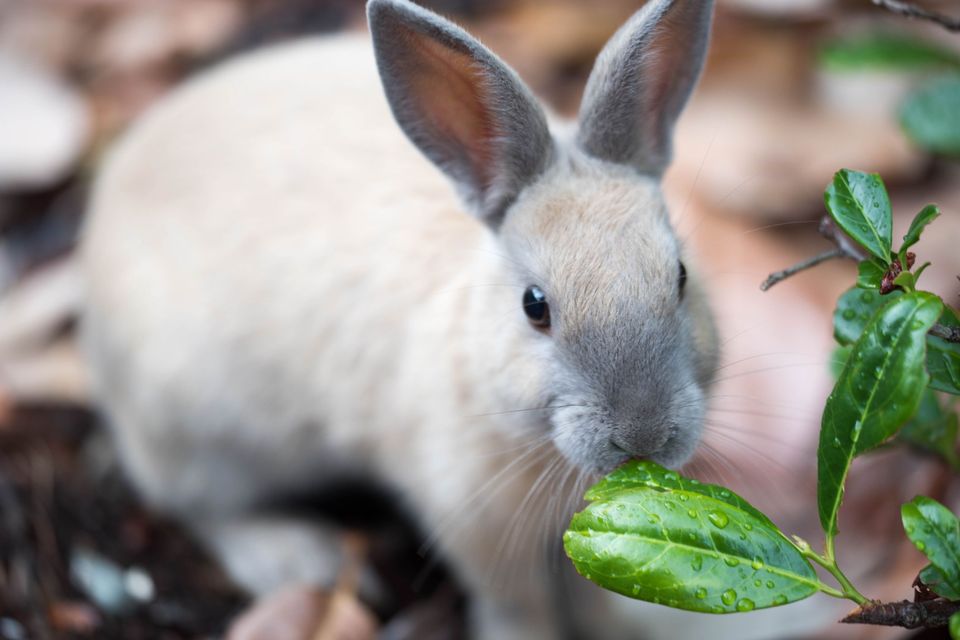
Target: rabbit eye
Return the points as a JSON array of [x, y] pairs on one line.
[[536, 307], [683, 279]]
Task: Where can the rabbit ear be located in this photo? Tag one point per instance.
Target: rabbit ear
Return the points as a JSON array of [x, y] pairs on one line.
[[641, 82], [463, 107]]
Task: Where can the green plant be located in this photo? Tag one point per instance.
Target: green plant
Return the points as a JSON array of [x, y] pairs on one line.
[[930, 113], [652, 534]]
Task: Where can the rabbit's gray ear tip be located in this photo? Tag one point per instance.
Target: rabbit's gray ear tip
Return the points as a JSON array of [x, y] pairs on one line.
[[377, 7]]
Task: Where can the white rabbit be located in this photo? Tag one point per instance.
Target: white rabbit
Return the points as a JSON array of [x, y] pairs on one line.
[[282, 292]]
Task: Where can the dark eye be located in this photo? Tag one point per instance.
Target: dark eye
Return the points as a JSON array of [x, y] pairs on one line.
[[536, 307], [683, 279]]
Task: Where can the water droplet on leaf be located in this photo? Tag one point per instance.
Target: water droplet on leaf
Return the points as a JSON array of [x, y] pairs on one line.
[[718, 518], [746, 605], [697, 563], [728, 597]]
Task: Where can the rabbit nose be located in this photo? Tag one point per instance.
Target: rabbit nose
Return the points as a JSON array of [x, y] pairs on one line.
[[640, 442]]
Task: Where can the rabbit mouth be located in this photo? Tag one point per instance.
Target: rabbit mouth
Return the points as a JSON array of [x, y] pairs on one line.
[[587, 437]]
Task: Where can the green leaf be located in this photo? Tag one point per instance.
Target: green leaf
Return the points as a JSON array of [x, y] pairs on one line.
[[651, 534], [954, 626], [931, 116], [856, 307], [933, 429], [838, 360], [854, 310], [860, 205], [905, 281], [935, 581], [870, 274], [943, 359], [935, 532], [922, 219], [885, 51], [639, 475], [879, 390]]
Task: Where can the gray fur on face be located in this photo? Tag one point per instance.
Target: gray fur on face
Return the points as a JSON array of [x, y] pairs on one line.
[[630, 392], [460, 105], [627, 373], [641, 82]]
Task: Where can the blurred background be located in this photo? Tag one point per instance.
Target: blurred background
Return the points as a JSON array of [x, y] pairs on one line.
[[794, 90]]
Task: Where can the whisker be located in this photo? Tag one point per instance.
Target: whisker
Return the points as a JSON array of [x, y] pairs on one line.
[[778, 224], [795, 365], [756, 452], [520, 519], [487, 490], [510, 411], [696, 180]]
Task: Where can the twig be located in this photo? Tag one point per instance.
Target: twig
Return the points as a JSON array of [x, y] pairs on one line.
[[779, 276], [845, 248], [950, 334], [913, 11], [906, 614], [829, 230]]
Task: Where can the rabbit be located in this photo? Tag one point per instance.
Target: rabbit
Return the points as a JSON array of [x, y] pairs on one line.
[[324, 260]]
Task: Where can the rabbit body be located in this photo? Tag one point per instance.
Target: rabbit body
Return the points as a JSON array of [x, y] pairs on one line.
[[281, 291]]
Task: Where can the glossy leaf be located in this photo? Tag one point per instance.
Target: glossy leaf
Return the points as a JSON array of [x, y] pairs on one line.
[[935, 581], [639, 475], [935, 532], [878, 391], [905, 281], [886, 51], [931, 116], [920, 221], [859, 204], [954, 626], [838, 360], [943, 360], [870, 274], [933, 429], [857, 306], [651, 534], [854, 310]]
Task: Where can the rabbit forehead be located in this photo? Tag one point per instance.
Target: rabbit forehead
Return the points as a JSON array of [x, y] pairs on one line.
[[598, 240]]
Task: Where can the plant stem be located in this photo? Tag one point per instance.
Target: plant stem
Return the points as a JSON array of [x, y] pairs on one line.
[[779, 276], [910, 615], [829, 563], [911, 11]]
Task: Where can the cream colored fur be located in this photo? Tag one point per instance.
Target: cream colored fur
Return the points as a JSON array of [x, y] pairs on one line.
[[280, 290]]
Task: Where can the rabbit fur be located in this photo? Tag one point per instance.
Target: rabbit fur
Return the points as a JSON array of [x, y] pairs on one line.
[[282, 291]]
